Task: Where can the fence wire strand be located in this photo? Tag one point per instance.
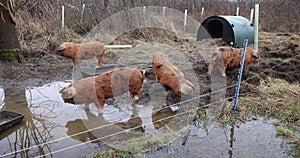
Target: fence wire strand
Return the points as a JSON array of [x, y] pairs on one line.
[[185, 101]]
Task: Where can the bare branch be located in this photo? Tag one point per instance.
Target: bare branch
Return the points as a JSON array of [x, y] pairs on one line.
[[10, 8], [3, 5], [1, 14], [20, 4]]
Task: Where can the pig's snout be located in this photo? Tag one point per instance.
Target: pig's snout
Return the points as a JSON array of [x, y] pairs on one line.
[[60, 49]]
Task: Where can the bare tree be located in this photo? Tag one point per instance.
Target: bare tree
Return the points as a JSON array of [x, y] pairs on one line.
[[10, 47]]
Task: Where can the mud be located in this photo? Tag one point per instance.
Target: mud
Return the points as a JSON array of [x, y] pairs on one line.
[[279, 57], [39, 69]]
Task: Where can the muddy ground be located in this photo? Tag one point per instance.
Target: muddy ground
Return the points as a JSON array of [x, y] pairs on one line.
[[279, 57]]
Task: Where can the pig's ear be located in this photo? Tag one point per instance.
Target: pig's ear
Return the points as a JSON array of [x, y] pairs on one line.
[[215, 56], [255, 53], [61, 47], [72, 92], [189, 84], [186, 89], [69, 93]]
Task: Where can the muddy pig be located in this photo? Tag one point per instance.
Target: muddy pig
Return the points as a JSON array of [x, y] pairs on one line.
[[107, 85], [228, 57], [170, 76], [82, 51]]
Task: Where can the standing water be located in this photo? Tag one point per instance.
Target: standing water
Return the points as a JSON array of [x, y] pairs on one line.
[[43, 129], [50, 128]]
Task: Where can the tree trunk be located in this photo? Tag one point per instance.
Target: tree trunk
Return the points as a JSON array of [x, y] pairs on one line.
[[9, 43]]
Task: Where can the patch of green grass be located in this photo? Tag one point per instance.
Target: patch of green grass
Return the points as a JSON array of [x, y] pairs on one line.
[[297, 148], [9, 56], [136, 147], [14, 50], [113, 153], [275, 92], [146, 143], [204, 114], [228, 118], [284, 131], [276, 99]]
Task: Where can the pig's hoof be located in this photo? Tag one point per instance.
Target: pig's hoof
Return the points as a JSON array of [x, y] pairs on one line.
[[100, 111], [86, 107]]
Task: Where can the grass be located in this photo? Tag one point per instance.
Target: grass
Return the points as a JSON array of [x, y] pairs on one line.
[[276, 99], [39, 24], [136, 147], [281, 130]]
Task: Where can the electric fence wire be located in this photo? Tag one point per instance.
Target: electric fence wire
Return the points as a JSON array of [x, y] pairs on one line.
[[185, 101]]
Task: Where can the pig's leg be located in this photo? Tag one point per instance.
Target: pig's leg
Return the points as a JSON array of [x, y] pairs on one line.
[[78, 62], [100, 105], [136, 97], [223, 70], [156, 78], [134, 109], [100, 60], [210, 67], [221, 66], [86, 107]]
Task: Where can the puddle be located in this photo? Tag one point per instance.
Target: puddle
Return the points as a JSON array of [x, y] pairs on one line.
[[251, 139], [57, 129], [46, 116], [53, 128]]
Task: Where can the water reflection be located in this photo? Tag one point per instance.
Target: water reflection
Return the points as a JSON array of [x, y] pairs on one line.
[[97, 127], [50, 125], [256, 138], [35, 128], [77, 126], [45, 116], [77, 129]]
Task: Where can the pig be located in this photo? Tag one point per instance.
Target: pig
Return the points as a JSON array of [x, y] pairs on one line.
[[229, 57], [170, 76], [82, 51], [96, 89]]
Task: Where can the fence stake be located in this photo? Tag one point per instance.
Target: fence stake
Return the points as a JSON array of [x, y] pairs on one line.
[[62, 17], [185, 19], [251, 15], [202, 12], [237, 11], [82, 11], [118, 46], [236, 97], [256, 27]]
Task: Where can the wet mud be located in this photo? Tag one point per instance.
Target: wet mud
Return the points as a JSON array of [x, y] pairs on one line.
[[279, 58]]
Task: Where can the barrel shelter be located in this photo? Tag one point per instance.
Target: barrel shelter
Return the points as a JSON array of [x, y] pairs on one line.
[[232, 29]]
